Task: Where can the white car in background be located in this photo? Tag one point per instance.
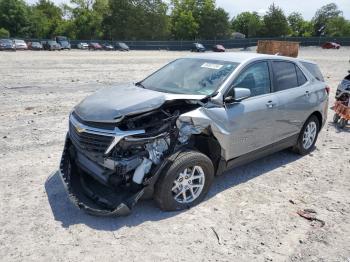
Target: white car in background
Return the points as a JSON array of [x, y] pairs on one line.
[[20, 44], [83, 46]]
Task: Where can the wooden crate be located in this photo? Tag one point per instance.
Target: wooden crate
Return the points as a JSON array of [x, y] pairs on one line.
[[284, 48]]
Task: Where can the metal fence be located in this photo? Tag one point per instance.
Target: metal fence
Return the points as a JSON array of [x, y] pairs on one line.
[[230, 43]]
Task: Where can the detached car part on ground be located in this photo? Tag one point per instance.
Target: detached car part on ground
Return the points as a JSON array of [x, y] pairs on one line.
[[167, 136]]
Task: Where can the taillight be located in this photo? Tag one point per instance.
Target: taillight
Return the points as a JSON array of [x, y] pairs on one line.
[[328, 89]]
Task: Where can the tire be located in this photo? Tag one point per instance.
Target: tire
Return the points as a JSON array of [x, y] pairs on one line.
[[301, 147], [342, 123], [336, 118], [165, 193]]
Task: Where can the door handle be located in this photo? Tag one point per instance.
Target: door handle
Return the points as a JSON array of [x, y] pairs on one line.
[[307, 93], [270, 104]]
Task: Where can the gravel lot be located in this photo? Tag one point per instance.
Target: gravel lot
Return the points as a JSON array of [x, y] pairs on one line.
[[249, 214]]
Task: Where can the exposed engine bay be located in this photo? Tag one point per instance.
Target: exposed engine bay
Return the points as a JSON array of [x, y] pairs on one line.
[[106, 170]]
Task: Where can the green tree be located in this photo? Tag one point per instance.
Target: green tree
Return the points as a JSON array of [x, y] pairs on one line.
[[14, 17], [247, 23], [45, 18], [137, 20], [185, 26], [87, 17], [337, 27], [221, 25], [307, 29], [204, 19], [4, 33], [322, 17], [275, 22], [296, 23]]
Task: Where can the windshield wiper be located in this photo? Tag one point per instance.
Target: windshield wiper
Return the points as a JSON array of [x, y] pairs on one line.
[[140, 85]]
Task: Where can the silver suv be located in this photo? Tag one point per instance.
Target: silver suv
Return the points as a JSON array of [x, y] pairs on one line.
[[167, 136]]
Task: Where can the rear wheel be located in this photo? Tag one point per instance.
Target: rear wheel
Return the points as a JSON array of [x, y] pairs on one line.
[[308, 136], [186, 182]]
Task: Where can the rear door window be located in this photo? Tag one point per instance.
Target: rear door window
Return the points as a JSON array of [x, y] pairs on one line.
[[314, 70], [285, 75]]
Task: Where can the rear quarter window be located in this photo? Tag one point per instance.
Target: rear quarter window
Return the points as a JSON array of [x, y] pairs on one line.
[[314, 70], [301, 77]]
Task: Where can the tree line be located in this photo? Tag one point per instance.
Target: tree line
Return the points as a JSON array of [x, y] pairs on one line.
[[159, 20]]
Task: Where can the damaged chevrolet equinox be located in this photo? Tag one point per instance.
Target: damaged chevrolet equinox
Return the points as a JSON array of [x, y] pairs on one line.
[[170, 134]]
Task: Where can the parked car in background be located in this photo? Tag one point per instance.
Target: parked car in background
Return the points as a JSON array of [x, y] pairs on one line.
[[7, 44], [95, 46], [331, 45], [107, 47], [219, 48], [51, 45], [35, 46], [63, 42], [191, 120], [197, 47], [83, 46], [20, 44], [122, 46]]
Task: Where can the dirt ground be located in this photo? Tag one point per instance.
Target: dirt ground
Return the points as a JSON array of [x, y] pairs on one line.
[[249, 214]]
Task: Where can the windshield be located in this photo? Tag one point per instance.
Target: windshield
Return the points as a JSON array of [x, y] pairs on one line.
[[199, 45], [190, 76], [19, 41]]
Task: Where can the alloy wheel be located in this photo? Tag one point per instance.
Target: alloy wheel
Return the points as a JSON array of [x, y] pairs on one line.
[[189, 184], [309, 135]]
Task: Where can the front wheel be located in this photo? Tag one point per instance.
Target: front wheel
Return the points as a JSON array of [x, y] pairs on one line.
[[308, 136], [185, 183]]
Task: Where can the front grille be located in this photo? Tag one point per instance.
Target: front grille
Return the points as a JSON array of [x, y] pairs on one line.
[[92, 143]]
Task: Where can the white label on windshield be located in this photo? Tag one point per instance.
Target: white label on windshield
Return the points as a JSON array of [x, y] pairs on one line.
[[212, 66]]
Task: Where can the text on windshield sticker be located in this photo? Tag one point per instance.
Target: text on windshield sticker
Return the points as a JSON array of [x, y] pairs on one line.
[[212, 66]]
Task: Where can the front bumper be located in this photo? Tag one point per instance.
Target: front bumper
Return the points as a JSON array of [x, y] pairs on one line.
[[97, 199], [89, 199]]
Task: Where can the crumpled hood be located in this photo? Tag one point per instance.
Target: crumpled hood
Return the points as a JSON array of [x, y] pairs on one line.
[[111, 103]]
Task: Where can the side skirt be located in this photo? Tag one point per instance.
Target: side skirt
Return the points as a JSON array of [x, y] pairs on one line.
[[259, 153]]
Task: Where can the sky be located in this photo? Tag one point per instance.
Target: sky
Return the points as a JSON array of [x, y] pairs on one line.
[[306, 7]]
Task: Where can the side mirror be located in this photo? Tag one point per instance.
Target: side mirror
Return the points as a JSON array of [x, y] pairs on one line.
[[239, 95]]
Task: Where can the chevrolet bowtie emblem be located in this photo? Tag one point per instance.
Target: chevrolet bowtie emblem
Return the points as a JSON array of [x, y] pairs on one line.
[[79, 129]]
